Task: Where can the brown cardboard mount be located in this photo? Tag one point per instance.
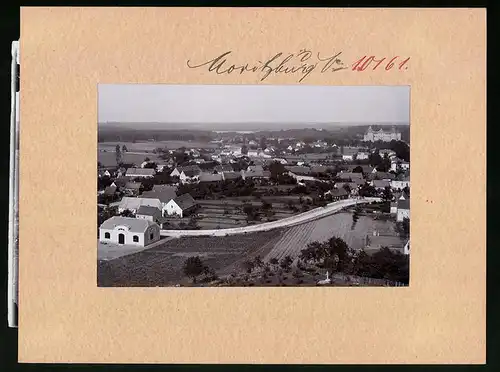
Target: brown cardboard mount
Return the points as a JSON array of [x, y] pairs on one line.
[[65, 317]]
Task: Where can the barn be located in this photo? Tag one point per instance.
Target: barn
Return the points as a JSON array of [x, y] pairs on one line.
[[129, 231]]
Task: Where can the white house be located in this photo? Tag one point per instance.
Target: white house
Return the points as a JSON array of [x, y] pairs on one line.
[[129, 231], [388, 152], [362, 155], [403, 209], [406, 249], [181, 205], [163, 193], [104, 173], [189, 176], [161, 167], [176, 172], [400, 183], [395, 163], [349, 154]]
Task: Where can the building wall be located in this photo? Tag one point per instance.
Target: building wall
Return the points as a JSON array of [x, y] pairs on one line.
[[385, 136], [175, 173], [114, 233], [185, 178], [399, 184], [152, 234], [173, 209], [402, 213], [144, 239]]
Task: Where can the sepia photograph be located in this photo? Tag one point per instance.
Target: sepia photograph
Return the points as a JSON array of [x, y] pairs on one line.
[[253, 185]]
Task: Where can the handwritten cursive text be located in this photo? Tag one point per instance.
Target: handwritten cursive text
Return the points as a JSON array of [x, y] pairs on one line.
[[301, 64]]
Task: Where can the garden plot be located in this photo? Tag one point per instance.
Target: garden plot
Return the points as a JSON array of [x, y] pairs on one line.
[[161, 266]]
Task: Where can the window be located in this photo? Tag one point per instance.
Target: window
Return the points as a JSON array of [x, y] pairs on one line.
[[107, 235], [151, 236], [135, 239]]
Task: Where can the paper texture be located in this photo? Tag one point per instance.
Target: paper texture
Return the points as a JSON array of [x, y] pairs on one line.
[[65, 317]]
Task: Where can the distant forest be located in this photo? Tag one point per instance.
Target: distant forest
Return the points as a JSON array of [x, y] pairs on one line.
[[132, 135], [341, 133]]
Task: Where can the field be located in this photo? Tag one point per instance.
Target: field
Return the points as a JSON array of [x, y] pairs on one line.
[[162, 266], [298, 237], [137, 151], [228, 213], [108, 159]]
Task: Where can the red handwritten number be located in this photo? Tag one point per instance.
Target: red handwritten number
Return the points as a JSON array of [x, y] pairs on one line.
[[403, 63], [363, 63], [378, 62], [390, 64], [356, 64]]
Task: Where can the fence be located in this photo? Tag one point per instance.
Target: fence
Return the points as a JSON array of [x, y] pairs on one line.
[[361, 280]]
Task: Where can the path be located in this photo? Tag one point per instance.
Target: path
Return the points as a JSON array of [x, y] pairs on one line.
[[299, 219], [106, 252]]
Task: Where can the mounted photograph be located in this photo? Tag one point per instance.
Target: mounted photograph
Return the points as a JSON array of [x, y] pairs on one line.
[[253, 185]]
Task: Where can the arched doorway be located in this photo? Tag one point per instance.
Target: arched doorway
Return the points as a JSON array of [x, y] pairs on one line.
[[121, 238]]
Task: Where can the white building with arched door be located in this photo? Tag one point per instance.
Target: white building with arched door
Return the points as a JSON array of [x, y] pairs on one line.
[[129, 231]]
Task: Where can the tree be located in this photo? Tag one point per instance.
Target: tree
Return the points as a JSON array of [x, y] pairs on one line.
[[407, 190], [127, 213], [403, 228], [192, 224], [151, 165], [347, 188], [355, 216], [118, 155], [194, 267], [124, 149], [263, 143], [266, 205], [277, 170], [375, 159], [244, 149], [251, 212], [357, 169], [258, 261], [387, 194], [274, 261], [367, 190], [286, 262], [331, 254], [248, 266]]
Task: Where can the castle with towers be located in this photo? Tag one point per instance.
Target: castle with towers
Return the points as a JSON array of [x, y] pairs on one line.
[[381, 135]]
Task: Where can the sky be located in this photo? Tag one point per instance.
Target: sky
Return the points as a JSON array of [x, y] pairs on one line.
[[164, 103]]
